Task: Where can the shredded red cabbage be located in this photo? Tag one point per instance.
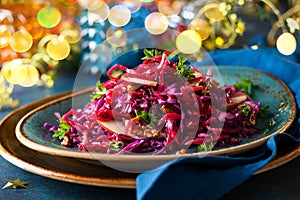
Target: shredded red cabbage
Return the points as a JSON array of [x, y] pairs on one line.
[[148, 102]]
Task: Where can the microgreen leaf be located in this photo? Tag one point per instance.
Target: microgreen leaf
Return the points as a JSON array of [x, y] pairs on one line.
[[63, 128], [244, 85], [149, 118], [263, 110], [116, 146], [98, 92], [183, 70], [205, 147], [151, 53], [245, 108], [142, 115]]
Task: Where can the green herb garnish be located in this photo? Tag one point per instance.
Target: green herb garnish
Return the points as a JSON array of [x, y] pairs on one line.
[[116, 146], [151, 53], [99, 91], [181, 68], [63, 128], [244, 85], [145, 116], [205, 147], [263, 110], [245, 108]]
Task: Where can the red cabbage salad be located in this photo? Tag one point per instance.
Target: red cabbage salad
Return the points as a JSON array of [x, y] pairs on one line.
[[165, 106]]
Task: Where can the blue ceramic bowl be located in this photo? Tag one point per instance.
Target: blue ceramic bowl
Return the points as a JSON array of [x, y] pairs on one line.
[[269, 91]]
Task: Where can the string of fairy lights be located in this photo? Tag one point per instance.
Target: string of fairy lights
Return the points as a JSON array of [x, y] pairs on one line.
[[36, 37]]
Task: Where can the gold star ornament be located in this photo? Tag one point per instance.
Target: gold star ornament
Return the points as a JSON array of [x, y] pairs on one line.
[[15, 183]]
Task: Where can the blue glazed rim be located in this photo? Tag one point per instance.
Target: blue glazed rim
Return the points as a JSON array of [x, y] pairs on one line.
[[25, 140]]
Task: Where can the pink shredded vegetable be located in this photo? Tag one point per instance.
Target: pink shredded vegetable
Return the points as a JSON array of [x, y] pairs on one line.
[[159, 112]]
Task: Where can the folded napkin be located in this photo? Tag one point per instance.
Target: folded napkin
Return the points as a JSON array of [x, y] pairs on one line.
[[210, 177]]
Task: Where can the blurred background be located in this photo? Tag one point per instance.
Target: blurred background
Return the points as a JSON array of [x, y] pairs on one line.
[[39, 40]]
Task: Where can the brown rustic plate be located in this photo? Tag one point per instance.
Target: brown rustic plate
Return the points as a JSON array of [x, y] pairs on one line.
[[270, 91], [72, 169]]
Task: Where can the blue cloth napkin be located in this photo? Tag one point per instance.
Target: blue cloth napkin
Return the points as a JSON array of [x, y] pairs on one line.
[[210, 177]]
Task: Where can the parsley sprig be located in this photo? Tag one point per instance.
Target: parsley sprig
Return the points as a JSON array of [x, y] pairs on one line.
[[205, 147], [99, 91], [63, 128], [183, 70], [151, 53], [145, 116], [245, 84], [245, 108], [116, 146], [263, 110]]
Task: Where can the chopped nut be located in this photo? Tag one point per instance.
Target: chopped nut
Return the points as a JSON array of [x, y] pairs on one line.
[[166, 109], [140, 133], [181, 152], [67, 142], [151, 133], [252, 119], [130, 88]]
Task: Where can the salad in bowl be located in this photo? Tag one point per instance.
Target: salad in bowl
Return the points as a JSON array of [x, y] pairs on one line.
[[163, 105]]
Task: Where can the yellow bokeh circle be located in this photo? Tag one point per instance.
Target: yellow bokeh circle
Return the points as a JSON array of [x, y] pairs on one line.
[[21, 41], [156, 23], [4, 36], [202, 27], [32, 76], [286, 44], [58, 48], [99, 14], [116, 36], [14, 72], [119, 15], [188, 42]]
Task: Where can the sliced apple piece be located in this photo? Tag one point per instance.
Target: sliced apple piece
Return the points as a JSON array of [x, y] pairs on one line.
[[236, 100], [139, 81], [113, 126]]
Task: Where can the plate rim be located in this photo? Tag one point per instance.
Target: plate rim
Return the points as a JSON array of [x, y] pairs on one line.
[[123, 157], [16, 160], [129, 183]]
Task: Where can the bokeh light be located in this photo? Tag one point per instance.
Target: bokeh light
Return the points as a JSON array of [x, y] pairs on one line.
[[119, 15], [95, 4], [99, 14], [202, 27], [14, 72], [132, 5], [34, 28], [4, 36], [286, 44], [58, 48], [32, 76], [169, 7], [219, 41], [90, 4], [69, 2], [71, 35], [49, 17], [156, 23], [116, 36], [188, 42], [21, 41], [213, 12], [8, 54]]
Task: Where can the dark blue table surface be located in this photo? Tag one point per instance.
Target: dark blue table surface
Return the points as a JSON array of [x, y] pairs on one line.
[[280, 183]]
